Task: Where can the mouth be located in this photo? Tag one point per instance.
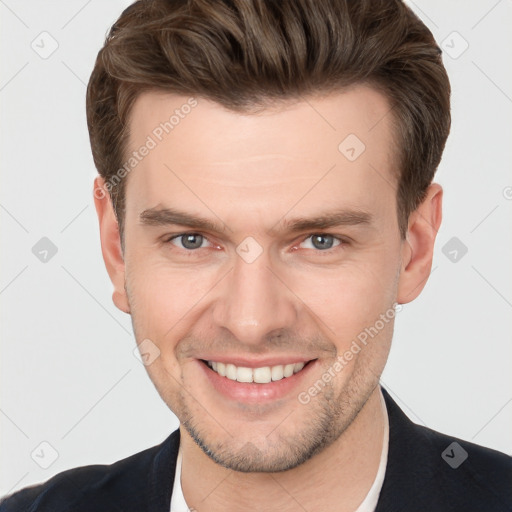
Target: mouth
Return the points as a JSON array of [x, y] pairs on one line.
[[262, 384], [262, 375]]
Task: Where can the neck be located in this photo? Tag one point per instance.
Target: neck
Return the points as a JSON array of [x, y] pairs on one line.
[[342, 474]]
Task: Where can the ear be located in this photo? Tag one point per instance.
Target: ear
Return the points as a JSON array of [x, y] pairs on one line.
[[111, 243], [418, 248]]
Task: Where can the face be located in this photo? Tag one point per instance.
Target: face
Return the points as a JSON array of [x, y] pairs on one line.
[[259, 248]]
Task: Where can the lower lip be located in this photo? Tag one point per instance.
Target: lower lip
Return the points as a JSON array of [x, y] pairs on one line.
[[252, 392]]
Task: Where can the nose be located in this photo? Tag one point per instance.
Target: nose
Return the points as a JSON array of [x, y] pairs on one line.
[[254, 302]]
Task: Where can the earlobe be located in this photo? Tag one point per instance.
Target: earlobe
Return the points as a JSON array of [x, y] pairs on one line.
[[111, 244], [418, 248]]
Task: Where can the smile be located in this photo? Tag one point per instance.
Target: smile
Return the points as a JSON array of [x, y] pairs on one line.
[[262, 375]]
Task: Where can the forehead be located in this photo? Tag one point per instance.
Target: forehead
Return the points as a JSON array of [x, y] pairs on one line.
[[360, 110], [330, 150]]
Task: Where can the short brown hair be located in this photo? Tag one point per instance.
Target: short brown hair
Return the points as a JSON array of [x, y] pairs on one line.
[[248, 53]]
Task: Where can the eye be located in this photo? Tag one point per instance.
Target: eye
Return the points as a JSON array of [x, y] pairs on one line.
[[320, 241], [188, 241]]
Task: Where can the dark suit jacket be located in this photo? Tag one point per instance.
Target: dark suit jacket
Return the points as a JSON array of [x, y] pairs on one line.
[[426, 471]]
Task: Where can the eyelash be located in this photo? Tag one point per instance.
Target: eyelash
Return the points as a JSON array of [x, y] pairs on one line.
[[342, 241]]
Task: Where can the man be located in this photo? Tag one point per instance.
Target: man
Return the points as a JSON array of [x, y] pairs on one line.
[[266, 203]]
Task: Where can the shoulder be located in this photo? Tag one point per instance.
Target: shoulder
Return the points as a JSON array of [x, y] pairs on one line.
[[478, 472], [434, 471], [128, 484]]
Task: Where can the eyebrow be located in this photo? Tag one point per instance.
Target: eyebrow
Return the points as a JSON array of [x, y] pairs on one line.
[[159, 216]]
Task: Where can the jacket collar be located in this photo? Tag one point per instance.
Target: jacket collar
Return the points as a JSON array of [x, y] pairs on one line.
[[410, 465]]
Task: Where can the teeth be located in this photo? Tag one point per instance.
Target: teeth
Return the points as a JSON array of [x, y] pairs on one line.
[[221, 369], [261, 375], [231, 371], [244, 374], [297, 367], [277, 372], [288, 370]]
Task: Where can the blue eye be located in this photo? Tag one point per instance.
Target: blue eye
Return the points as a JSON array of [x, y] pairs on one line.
[[192, 241], [189, 241], [321, 242]]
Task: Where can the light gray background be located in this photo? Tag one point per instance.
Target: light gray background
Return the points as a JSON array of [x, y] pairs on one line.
[[69, 376]]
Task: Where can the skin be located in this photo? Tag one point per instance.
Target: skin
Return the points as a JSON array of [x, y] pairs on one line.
[[250, 173]]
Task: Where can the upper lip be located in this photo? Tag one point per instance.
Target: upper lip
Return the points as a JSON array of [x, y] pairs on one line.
[[257, 363]]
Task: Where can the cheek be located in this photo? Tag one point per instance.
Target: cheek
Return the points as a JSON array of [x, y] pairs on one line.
[[349, 299], [164, 305], [162, 298]]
